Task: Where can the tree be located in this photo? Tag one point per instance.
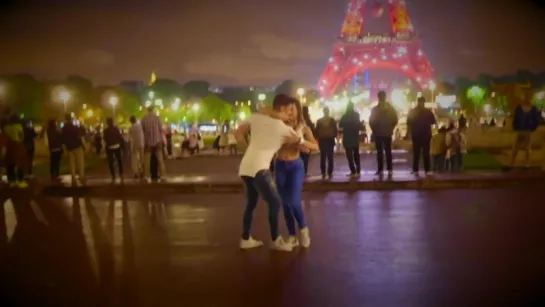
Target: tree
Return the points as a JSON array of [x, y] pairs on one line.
[[476, 95], [167, 88], [196, 89], [25, 95], [213, 107]]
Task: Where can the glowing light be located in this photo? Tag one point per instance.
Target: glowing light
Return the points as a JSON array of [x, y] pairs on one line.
[[196, 107], [405, 66], [114, 101], [374, 61], [446, 102], [261, 97], [540, 95], [84, 106], [300, 91], [432, 85], [242, 116], [399, 100], [89, 113], [147, 103]]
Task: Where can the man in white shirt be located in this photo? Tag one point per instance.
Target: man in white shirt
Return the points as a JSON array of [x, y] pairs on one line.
[[267, 136], [136, 141]]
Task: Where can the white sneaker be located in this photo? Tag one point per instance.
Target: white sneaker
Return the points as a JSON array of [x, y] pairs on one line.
[[293, 241], [250, 243], [280, 245], [305, 237]]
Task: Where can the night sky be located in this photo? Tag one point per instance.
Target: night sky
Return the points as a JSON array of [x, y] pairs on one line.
[[250, 41]]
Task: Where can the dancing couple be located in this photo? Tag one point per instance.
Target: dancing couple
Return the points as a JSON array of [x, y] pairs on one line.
[[280, 130]]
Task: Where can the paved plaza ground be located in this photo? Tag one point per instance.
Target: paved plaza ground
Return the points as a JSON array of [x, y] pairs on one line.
[[399, 248]]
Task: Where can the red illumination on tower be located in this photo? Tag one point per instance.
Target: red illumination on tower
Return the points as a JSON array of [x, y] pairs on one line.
[[355, 51]]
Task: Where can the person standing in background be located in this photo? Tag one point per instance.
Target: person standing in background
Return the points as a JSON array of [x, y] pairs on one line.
[[54, 142], [73, 143], [29, 141], [326, 132], [15, 152], [136, 144], [350, 126], [305, 156], [153, 141], [114, 145], [419, 124], [383, 121]]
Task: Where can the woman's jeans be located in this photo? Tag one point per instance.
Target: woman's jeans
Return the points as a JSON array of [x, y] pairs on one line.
[[262, 184], [290, 177]]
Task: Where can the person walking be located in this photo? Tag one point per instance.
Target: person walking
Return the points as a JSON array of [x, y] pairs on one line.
[[326, 132], [73, 144], [114, 141], [54, 143], [419, 124], [383, 120], [350, 126], [153, 141], [136, 145]]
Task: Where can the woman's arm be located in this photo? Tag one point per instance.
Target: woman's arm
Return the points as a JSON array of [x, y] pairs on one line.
[[309, 143]]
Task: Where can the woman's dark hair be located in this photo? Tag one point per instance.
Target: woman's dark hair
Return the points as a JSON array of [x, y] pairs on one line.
[[306, 116], [109, 121], [300, 118]]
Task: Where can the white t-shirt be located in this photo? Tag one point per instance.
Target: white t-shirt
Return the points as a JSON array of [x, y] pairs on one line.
[[267, 136]]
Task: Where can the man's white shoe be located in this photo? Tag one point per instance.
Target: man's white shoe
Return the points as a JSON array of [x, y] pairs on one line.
[[305, 237], [293, 241], [250, 243], [280, 245]]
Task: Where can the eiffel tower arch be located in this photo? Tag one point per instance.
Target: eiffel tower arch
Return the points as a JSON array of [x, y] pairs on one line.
[[356, 51]]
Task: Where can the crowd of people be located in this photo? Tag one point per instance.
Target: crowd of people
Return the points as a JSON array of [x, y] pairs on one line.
[[145, 144]]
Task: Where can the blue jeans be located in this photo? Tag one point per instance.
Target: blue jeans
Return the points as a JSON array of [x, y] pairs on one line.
[[262, 184], [290, 177]]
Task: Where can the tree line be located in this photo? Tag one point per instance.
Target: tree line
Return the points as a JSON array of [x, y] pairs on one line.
[[36, 99]]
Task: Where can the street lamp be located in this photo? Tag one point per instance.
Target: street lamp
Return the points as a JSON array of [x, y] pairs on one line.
[[65, 96], [114, 100]]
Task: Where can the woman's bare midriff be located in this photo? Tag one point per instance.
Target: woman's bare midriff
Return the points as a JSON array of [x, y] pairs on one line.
[[288, 153]]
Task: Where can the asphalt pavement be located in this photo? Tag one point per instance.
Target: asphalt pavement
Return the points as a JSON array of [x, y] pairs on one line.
[[399, 248]]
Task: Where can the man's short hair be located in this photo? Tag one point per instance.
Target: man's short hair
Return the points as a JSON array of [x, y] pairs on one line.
[[132, 119], [381, 94], [151, 108], [421, 99], [282, 100]]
